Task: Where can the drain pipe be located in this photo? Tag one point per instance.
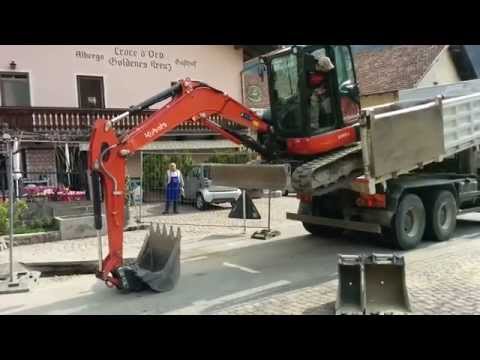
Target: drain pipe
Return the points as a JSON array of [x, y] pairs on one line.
[[10, 199]]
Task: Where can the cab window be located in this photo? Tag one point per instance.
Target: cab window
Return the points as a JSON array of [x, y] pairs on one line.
[[345, 71], [285, 87], [349, 101]]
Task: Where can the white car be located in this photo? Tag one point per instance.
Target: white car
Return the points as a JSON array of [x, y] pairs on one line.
[[199, 189]]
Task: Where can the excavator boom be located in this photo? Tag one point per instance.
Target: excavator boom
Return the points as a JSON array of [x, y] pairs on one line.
[[190, 101]]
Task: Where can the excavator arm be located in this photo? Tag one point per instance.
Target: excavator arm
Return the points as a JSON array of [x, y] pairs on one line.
[[189, 101]]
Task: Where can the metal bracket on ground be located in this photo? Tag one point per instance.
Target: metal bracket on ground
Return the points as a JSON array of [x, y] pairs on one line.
[[22, 282], [265, 234]]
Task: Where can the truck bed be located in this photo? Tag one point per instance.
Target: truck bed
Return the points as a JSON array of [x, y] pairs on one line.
[[397, 139]]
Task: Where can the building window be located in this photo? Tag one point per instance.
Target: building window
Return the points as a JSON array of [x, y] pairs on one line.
[[14, 89], [90, 92]]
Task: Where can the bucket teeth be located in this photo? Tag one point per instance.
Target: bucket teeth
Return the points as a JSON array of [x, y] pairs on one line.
[[157, 247], [158, 262]]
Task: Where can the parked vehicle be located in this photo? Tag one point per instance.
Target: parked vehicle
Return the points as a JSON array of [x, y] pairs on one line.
[[199, 189]]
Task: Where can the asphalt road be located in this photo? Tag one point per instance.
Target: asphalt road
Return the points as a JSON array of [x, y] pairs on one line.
[[207, 283], [211, 282]]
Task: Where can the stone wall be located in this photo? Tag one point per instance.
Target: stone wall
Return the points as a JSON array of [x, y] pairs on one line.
[[29, 239]]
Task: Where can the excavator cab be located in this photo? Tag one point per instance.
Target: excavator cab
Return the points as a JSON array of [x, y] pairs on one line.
[[301, 109]]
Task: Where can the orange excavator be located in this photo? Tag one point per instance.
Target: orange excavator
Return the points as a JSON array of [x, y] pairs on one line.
[[190, 100], [310, 132]]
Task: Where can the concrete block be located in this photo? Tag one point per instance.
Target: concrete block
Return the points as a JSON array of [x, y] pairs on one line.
[[77, 227]]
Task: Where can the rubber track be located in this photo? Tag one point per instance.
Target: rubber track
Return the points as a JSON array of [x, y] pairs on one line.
[[305, 177]]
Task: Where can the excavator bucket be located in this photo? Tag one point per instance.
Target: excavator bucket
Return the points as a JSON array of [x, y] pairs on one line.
[[350, 294], [385, 285], [157, 266]]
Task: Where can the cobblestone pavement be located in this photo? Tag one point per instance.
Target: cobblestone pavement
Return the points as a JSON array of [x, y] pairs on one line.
[[441, 281], [292, 274], [199, 229]]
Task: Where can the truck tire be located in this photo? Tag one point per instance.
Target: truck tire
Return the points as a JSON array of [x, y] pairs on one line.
[[200, 203], [441, 208], [408, 224]]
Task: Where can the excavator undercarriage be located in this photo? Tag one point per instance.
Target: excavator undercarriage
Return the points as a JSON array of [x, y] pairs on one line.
[[322, 175]]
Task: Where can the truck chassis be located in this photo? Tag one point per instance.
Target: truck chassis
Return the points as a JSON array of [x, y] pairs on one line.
[[419, 173]]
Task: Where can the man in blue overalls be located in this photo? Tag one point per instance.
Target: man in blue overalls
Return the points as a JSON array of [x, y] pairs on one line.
[[174, 187]]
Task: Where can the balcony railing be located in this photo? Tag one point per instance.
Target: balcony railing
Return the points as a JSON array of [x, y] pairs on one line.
[[79, 121]]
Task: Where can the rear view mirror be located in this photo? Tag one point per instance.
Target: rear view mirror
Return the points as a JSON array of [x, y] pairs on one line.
[[350, 89]]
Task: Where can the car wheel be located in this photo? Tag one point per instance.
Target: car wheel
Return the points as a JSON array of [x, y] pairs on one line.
[[200, 203]]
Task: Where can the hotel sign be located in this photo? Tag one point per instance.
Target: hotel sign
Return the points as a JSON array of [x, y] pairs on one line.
[[139, 58]]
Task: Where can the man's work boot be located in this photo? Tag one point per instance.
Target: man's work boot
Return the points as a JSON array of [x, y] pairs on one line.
[[175, 208], [165, 212]]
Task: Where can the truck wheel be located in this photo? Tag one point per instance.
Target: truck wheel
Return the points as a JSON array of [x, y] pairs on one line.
[[408, 225], [441, 210], [200, 203], [320, 230]]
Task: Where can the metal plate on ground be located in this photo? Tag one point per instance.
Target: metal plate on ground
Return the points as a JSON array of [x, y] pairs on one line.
[[17, 267], [273, 177]]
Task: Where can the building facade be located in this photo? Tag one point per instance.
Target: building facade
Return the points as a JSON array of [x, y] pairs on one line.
[[62, 89]]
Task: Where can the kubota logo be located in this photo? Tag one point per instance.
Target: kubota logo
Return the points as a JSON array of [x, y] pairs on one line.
[[155, 131]]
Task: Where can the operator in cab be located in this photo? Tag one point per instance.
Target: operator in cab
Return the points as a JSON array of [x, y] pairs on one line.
[[320, 101]]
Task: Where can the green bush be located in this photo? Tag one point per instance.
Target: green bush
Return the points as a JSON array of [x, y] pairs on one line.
[[155, 167], [236, 158], [19, 212], [37, 224], [3, 219]]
